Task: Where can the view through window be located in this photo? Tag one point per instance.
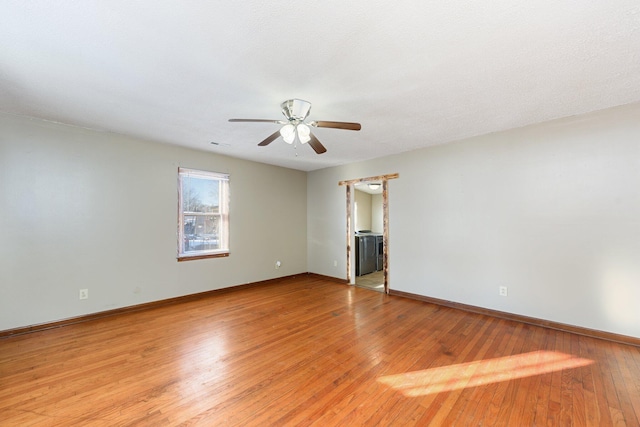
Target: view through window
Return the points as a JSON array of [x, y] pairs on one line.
[[203, 223]]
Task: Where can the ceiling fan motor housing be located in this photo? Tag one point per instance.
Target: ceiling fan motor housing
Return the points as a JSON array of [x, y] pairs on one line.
[[296, 109]]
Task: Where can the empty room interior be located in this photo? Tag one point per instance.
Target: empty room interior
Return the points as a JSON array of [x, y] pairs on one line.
[[295, 213]]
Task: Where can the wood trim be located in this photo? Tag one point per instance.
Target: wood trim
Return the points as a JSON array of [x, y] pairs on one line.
[[385, 234], [370, 178], [349, 233], [593, 333], [140, 307], [194, 257]]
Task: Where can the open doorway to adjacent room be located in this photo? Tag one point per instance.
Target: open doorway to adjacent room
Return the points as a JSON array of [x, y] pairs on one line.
[[368, 231]]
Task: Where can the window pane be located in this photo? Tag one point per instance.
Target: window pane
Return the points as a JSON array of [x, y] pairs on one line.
[[200, 195]]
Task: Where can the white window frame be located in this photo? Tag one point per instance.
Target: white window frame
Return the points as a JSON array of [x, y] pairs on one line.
[[185, 253]]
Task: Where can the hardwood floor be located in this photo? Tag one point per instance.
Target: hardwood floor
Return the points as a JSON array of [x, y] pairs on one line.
[[307, 351]]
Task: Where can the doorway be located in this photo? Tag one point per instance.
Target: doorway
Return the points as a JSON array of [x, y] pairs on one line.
[[369, 233], [381, 242]]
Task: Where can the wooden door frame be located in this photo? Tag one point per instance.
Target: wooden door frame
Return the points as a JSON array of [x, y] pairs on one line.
[[349, 185]]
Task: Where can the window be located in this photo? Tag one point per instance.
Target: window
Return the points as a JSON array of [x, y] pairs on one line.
[[203, 214]]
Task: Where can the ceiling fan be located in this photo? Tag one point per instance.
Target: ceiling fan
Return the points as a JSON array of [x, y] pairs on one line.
[[296, 111]]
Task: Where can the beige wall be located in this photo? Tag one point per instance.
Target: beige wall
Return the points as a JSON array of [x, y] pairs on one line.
[[362, 207], [377, 225], [368, 211], [551, 211], [85, 209]]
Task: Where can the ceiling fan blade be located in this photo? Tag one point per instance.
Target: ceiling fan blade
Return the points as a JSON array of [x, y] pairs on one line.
[[316, 145], [268, 140], [282, 122], [336, 125]]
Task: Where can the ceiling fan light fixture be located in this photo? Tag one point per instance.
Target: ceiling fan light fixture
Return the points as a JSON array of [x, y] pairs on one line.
[[288, 133], [296, 111], [304, 133]]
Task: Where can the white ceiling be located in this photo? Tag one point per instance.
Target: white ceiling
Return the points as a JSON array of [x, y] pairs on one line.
[[364, 187], [413, 73]]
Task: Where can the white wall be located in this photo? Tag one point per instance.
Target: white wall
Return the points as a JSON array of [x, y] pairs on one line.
[[85, 209], [551, 211]]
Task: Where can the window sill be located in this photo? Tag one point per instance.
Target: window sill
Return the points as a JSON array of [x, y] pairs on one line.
[[202, 256]]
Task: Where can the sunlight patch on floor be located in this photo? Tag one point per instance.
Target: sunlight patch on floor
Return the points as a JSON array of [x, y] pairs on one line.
[[482, 372]]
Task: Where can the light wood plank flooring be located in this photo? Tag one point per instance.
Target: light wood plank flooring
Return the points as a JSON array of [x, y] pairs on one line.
[[306, 351]]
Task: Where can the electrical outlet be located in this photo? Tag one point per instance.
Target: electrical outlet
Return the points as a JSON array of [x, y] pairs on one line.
[[335, 263], [278, 264], [503, 291], [84, 294]]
